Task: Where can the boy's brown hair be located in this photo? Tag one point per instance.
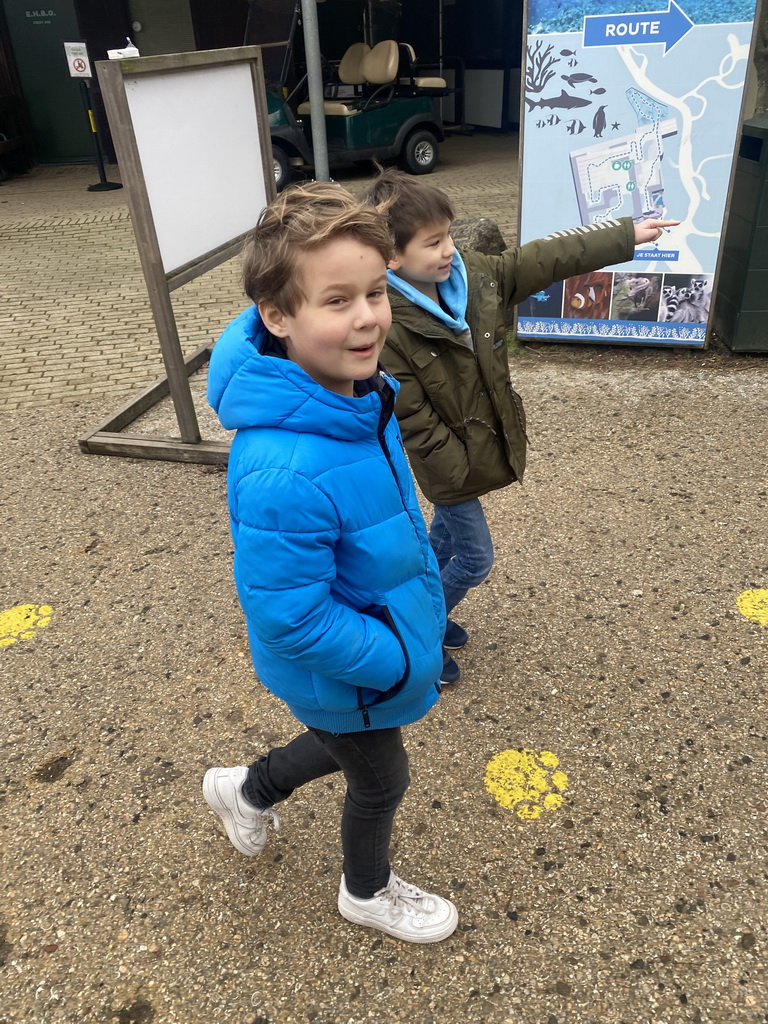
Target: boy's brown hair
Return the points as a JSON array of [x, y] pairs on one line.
[[408, 203], [302, 218]]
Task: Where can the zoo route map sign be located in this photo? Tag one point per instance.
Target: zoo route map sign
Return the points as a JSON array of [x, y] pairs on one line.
[[632, 110]]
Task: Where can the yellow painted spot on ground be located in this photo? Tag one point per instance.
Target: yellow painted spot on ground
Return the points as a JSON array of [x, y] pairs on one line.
[[753, 605], [526, 782], [22, 622]]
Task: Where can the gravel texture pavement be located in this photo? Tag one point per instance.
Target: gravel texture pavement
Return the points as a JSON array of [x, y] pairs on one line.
[[592, 794]]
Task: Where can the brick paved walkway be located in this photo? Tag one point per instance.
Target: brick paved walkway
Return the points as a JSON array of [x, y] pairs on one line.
[[74, 316]]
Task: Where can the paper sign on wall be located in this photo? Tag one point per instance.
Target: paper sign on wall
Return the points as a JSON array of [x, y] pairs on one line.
[[78, 64]]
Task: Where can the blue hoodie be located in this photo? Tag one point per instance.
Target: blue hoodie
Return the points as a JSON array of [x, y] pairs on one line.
[[333, 568], [453, 292]]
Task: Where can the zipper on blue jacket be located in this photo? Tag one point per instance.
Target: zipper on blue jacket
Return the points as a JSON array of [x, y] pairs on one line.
[[393, 626], [395, 689], [387, 399], [363, 708], [387, 410]]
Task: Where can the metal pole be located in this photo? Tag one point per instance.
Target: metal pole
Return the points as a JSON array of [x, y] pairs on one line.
[[440, 52], [315, 82], [102, 185]]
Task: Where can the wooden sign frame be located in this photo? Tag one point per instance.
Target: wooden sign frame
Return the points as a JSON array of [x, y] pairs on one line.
[[164, 176]]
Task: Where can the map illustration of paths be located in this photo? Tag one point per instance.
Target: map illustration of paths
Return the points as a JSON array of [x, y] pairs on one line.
[[639, 110]]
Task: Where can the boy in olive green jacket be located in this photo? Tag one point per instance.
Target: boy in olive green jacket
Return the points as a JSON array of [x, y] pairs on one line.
[[462, 423]]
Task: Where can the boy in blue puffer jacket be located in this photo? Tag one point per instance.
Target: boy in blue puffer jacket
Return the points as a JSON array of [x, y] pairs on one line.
[[333, 567]]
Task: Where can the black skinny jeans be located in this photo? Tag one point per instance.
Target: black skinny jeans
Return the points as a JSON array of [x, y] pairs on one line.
[[375, 766]]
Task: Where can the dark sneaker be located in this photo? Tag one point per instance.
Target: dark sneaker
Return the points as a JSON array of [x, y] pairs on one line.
[[401, 910], [451, 671], [246, 825], [455, 636]]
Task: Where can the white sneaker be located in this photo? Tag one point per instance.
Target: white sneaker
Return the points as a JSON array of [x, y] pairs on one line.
[[402, 910], [246, 825]]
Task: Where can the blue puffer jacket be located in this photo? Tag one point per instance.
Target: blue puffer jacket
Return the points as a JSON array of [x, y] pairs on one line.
[[333, 567]]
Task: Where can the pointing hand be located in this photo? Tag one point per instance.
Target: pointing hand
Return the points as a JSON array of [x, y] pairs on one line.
[[651, 230]]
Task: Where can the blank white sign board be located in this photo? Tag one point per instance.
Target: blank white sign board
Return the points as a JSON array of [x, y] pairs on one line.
[[191, 133], [197, 135]]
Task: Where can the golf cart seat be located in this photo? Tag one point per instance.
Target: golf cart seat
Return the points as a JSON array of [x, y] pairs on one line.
[[377, 67], [407, 74], [350, 72], [381, 64], [351, 64]]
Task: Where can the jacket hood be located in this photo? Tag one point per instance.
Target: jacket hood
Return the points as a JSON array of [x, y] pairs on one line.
[[453, 292], [252, 384]]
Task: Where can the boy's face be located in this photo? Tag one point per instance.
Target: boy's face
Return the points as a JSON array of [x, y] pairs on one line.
[[426, 259], [338, 331]]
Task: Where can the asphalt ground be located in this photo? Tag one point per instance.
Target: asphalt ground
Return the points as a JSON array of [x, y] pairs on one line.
[[591, 794]]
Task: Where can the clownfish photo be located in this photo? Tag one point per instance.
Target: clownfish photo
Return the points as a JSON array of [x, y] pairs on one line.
[[590, 296]]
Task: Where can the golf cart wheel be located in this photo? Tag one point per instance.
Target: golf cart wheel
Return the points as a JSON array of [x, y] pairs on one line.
[[420, 152], [281, 167]]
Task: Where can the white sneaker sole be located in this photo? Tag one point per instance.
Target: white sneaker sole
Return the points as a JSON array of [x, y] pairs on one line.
[[351, 913]]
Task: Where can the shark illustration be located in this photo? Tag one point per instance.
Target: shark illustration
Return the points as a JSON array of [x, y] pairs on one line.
[[563, 101]]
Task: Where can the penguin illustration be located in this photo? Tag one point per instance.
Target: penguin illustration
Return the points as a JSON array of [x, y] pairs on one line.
[[598, 123]]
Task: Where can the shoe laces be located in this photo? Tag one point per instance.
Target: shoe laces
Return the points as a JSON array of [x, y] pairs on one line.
[[247, 809], [402, 896], [270, 815]]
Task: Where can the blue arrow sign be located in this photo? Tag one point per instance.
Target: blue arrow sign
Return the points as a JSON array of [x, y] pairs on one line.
[[666, 27]]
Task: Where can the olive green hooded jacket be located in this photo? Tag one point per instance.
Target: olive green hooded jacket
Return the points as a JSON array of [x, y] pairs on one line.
[[462, 423]]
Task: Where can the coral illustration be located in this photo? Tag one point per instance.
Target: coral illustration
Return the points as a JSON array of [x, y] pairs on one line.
[[540, 67]]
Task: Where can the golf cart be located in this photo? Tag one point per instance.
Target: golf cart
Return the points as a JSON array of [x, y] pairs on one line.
[[376, 104]]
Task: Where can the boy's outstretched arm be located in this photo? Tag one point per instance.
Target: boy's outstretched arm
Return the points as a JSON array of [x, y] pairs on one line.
[[522, 271], [651, 230], [527, 269]]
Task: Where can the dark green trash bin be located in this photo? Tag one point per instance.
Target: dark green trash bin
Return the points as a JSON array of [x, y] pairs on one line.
[[741, 302]]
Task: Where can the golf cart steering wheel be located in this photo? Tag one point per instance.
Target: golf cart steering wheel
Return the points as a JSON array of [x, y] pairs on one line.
[[376, 100]]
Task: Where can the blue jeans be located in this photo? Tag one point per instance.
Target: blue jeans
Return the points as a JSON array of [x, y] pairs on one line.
[[462, 543], [375, 767]]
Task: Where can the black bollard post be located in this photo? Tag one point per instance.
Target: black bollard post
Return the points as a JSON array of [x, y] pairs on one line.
[[102, 185]]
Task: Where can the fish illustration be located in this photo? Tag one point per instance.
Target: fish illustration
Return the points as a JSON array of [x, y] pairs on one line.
[[598, 123], [563, 101], [597, 92], [540, 123], [589, 297], [567, 53], [540, 296], [575, 127], [553, 119], [577, 78]]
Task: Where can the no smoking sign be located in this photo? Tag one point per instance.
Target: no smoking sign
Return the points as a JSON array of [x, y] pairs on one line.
[[77, 60]]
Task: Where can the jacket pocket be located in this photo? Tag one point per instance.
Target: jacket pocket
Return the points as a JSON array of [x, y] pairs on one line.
[[433, 368], [481, 439], [447, 463], [383, 614], [418, 626], [489, 467], [517, 402]]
